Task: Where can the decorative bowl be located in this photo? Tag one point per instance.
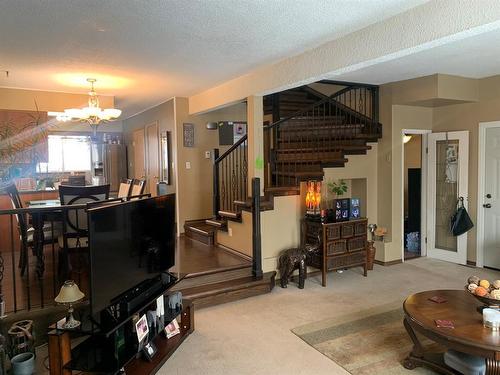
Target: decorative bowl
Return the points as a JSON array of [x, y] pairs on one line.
[[490, 302]]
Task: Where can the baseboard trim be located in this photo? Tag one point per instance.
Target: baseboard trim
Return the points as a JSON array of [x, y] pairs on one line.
[[471, 263], [391, 263], [235, 252]]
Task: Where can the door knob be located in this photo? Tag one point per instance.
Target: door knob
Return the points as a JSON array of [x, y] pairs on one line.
[[487, 205]]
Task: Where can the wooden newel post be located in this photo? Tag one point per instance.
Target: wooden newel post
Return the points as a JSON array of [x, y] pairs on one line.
[[216, 193], [59, 352], [256, 236]]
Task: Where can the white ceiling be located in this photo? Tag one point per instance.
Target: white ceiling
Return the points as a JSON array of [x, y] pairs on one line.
[[474, 57], [145, 52]]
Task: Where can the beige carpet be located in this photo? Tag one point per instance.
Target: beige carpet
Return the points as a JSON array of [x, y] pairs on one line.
[[371, 341]]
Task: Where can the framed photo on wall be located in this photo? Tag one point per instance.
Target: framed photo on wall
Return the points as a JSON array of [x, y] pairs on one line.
[[188, 135]]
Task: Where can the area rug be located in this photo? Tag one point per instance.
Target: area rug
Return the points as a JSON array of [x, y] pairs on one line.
[[372, 341]]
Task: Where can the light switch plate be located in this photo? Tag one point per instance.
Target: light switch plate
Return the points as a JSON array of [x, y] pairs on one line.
[[188, 165], [208, 155], [230, 232]]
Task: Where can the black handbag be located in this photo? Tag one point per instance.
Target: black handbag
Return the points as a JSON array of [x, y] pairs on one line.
[[460, 221]]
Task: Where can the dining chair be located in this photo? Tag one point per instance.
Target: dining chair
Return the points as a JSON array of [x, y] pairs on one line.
[[137, 187], [125, 188], [26, 232], [161, 188], [74, 237]]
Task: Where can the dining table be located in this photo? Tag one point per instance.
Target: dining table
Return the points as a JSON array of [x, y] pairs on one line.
[[42, 211]]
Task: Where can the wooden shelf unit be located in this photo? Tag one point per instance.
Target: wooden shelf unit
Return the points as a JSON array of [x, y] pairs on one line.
[[97, 352], [343, 245]]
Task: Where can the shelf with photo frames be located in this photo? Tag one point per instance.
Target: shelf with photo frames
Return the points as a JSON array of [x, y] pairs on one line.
[[123, 350]]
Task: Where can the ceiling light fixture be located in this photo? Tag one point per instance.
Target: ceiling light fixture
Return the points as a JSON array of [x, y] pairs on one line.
[[93, 114], [406, 138]]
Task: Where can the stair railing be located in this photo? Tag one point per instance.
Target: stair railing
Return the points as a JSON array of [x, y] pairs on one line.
[[230, 176], [349, 116]]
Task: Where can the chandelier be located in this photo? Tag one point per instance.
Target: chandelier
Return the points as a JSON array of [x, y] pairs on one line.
[[92, 114]]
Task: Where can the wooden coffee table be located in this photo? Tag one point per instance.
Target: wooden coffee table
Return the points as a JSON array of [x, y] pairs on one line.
[[468, 336]]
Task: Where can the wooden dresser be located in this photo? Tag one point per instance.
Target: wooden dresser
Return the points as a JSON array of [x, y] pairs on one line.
[[343, 245]]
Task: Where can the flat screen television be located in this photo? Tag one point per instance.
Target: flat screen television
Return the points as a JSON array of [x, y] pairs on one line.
[[129, 243]]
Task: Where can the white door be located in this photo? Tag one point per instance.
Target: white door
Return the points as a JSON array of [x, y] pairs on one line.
[[448, 161], [491, 199]]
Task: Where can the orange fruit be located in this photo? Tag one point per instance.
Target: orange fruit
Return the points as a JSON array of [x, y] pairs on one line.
[[481, 291]]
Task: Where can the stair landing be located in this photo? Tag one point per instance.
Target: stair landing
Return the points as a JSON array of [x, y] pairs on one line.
[[214, 275]]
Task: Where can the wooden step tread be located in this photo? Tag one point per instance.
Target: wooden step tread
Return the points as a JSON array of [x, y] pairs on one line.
[[300, 174], [219, 224], [332, 148], [322, 137], [230, 214]]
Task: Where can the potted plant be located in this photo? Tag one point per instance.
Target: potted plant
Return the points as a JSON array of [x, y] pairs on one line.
[[338, 188]]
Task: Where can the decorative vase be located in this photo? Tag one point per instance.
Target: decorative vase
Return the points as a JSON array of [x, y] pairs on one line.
[[23, 364], [371, 254]]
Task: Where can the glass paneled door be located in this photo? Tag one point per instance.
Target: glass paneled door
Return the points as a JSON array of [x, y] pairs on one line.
[[448, 162]]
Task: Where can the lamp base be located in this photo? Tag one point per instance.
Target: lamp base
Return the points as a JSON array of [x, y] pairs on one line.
[[71, 322]]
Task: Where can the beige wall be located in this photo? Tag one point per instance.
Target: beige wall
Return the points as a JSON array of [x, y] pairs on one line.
[[18, 99], [280, 229], [51, 101], [194, 186], [163, 114], [239, 235]]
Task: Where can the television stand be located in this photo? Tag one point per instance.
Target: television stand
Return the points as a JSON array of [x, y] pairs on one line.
[[94, 354]]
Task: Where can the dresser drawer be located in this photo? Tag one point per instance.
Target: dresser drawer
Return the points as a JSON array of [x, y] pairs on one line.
[[360, 228], [356, 243], [336, 247], [347, 260], [347, 230], [332, 232]]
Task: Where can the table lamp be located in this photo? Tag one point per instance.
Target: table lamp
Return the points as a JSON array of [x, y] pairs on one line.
[[68, 295]]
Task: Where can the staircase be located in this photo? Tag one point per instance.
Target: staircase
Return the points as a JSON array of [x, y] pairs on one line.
[[321, 135], [310, 131]]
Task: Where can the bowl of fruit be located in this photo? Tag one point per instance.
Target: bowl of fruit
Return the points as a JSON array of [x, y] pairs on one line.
[[485, 291]]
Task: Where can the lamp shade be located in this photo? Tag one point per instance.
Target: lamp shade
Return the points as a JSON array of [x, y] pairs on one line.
[[69, 293]]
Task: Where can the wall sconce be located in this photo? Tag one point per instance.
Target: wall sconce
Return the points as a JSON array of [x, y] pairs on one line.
[[313, 198]]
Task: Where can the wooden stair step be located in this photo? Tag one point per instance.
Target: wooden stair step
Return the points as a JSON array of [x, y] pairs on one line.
[[312, 162], [309, 157], [328, 148], [283, 190], [219, 224], [265, 205], [236, 216], [231, 290], [297, 138], [214, 276], [331, 143], [300, 175], [199, 230]]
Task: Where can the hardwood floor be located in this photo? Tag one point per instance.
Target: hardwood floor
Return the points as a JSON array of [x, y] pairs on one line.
[[192, 257]]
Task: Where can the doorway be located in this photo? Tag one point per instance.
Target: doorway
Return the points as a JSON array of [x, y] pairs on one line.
[[488, 204], [412, 195]]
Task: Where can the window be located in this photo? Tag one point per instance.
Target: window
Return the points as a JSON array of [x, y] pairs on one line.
[[67, 153]]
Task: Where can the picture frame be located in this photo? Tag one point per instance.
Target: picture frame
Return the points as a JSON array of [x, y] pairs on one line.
[[188, 134], [141, 328], [149, 351], [172, 329]]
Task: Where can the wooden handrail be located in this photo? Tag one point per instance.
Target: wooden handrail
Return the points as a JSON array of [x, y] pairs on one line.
[[314, 105], [231, 149]]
